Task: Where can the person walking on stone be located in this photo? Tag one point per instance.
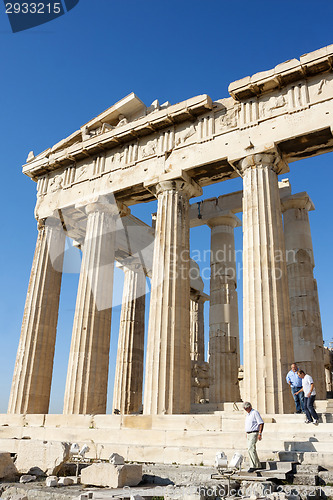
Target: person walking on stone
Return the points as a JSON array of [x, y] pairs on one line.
[[254, 426], [309, 391], [295, 383]]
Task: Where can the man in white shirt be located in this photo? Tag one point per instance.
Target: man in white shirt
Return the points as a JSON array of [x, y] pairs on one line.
[[254, 426], [309, 397]]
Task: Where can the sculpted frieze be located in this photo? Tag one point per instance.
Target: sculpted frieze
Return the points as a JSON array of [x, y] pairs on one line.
[[321, 89], [82, 173], [290, 99], [148, 148], [55, 183], [185, 135], [227, 118]]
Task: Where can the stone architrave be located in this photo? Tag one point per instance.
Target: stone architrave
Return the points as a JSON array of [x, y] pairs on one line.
[[303, 293], [197, 326], [168, 363], [223, 311], [127, 395], [267, 334], [87, 376], [31, 386]]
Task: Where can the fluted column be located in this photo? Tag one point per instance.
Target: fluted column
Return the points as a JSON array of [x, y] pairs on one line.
[[268, 344], [30, 392], [87, 376], [197, 326], [168, 364], [127, 396], [223, 311], [303, 293]]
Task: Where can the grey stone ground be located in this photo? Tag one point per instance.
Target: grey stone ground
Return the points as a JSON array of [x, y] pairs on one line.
[[173, 482]]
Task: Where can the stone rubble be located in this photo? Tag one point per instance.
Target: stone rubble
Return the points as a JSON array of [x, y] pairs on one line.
[[27, 478], [47, 455], [116, 459], [51, 481], [8, 470]]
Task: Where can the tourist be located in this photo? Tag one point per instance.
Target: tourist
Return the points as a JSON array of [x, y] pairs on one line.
[[309, 397], [254, 425], [295, 383]]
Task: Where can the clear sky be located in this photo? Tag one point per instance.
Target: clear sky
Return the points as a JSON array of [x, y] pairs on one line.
[[56, 77]]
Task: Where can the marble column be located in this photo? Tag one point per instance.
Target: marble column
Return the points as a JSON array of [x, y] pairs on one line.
[[303, 293], [199, 368], [168, 364], [268, 343], [127, 395], [30, 392], [223, 311], [197, 326], [87, 376]]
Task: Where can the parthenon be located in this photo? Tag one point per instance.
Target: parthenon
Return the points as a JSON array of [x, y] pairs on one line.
[[133, 154]]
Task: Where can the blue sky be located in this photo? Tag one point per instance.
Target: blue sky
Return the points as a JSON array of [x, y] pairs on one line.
[[56, 77]]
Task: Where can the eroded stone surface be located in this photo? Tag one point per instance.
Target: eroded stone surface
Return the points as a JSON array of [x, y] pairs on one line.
[[112, 476], [47, 455], [8, 471]]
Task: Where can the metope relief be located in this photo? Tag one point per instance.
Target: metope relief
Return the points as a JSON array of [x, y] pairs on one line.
[[273, 106], [148, 149], [227, 119], [115, 161], [322, 89], [55, 183], [82, 173], [185, 136]]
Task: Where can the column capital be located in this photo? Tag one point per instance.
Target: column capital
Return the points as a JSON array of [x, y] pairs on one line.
[[113, 209], [300, 200], [51, 222], [225, 219], [131, 264], [198, 296], [183, 184], [271, 159]]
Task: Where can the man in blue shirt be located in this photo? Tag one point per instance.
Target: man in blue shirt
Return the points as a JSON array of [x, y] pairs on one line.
[[295, 383]]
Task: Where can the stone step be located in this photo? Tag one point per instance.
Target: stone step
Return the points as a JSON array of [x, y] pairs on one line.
[[280, 466]]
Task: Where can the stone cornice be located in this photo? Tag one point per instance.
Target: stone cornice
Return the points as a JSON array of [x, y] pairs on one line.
[[74, 149], [313, 63]]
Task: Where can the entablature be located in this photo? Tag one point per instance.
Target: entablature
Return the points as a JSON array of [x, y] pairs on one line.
[[200, 138]]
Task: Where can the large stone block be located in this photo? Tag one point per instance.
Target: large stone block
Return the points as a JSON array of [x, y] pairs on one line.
[[8, 470], [47, 455], [112, 476]]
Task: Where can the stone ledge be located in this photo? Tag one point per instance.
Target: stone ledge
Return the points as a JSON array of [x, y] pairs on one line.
[[283, 74]]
